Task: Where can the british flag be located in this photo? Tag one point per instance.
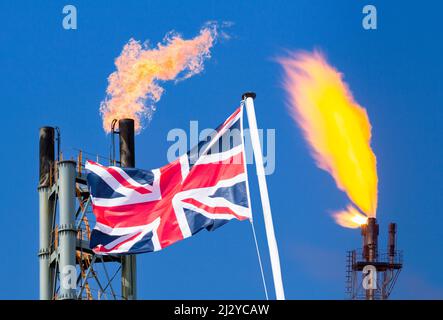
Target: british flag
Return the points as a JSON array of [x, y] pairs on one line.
[[142, 211]]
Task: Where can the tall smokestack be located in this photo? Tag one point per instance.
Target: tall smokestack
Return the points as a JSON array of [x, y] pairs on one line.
[[370, 247], [127, 144], [379, 270], [46, 209], [370, 240], [46, 155], [392, 242], [67, 231], [127, 159]]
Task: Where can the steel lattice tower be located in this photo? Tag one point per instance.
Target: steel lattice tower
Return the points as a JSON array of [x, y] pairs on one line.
[[69, 269]]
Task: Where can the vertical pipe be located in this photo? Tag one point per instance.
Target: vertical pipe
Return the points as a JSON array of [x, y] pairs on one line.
[[46, 150], [264, 196], [370, 240], [370, 250], [46, 205], [67, 230], [392, 242], [127, 159]]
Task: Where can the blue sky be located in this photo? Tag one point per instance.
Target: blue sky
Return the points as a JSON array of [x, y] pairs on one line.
[[51, 76]]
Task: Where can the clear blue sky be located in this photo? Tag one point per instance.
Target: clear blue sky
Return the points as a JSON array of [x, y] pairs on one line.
[[50, 76]]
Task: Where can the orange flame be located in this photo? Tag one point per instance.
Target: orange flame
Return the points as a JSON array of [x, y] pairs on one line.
[[336, 127], [350, 218], [134, 89]]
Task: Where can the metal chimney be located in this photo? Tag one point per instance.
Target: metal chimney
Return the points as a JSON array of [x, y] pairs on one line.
[[67, 232], [127, 160], [384, 266], [369, 232], [46, 156], [46, 210], [392, 242], [370, 247]]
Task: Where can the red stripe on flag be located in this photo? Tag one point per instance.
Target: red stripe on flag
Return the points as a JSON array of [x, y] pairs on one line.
[[215, 210], [208, 175], [130, 215], [117, 176], [102, 249]]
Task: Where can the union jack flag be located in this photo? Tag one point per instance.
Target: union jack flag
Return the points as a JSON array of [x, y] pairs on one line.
[[142, 211]]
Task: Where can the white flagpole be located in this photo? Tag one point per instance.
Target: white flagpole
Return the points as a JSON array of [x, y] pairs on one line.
[[258, 156]]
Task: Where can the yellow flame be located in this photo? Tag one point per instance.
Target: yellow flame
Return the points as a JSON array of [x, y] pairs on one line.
[[350, 218], [134, 89], [336, 127]]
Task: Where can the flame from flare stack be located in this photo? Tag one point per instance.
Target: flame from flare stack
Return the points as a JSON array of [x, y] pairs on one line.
[[350, 218], [134, 89], [337, 129]]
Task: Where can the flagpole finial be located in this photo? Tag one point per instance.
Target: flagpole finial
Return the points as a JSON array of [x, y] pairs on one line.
[[248, 95]]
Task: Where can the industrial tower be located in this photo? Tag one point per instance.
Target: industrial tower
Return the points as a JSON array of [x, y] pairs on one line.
[[69, 269], [371, 275]]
